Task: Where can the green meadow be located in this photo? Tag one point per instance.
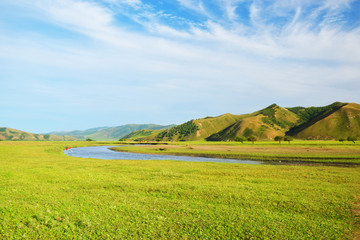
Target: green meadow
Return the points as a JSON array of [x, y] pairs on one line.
[[45, 194]]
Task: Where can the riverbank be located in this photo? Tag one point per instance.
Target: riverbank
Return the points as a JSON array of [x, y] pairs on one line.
[[302, 151]]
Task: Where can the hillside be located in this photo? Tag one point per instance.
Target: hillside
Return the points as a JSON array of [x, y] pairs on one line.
[[194, 129], [79, 133], [110, 133], [339, 123], [143, 133], [337, 120], [13, 134], [265, 124]]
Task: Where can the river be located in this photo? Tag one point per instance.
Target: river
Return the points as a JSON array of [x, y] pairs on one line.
[[103, 152]]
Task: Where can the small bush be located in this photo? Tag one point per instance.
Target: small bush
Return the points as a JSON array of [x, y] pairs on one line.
[[288, 139], [252, 139], [352, 139], [239, 139], [279, 138]]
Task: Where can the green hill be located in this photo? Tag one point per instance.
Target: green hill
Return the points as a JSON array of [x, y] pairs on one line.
[[340, 122], [13, 134], [143, 133], [309, 116], [195, 129], [265, 124], [337, 120], [81, 134]]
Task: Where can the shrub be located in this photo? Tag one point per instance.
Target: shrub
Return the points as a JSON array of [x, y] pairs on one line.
[[279, 138], [352, 139], [288, 139], [239, 139], [252, 139]]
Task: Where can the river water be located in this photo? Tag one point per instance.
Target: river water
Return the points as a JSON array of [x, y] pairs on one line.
[[103, 152]]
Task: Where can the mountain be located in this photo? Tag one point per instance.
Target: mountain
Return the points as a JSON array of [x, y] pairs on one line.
[[337, 120], [110, 133], [265, 124], [13, 134], [80, 134]]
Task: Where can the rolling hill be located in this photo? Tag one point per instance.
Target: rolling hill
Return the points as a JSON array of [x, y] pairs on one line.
[[110, 133], [265, 124], [337, 120], [14, 134], [339, 123], [142, 134]]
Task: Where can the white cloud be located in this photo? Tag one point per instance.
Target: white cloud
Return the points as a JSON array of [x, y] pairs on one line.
[[195, 5], [78, 15], [230, 7], [254, 13]]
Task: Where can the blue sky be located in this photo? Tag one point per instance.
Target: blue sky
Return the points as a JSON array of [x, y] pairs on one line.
[[77, 64]]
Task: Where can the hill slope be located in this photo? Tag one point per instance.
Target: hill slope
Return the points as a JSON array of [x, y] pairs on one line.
[[194, 129], [14, 134], [143, 133], [341, 123], [78, 133], [337, 120], [266, 124]]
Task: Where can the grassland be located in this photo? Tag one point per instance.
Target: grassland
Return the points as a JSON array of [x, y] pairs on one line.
[[45, 194], [309, 151]]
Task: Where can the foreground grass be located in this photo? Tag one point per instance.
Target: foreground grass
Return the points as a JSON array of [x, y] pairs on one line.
[[312, 151], [46, 194]]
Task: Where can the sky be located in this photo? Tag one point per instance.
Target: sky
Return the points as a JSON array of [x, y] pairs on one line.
[[79, 64]]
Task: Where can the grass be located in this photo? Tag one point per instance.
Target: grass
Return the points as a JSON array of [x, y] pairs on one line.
[[46, 194], [310, 151]]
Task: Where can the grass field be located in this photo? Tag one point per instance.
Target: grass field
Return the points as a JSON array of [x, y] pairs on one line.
[[45, 194], [310, 151]]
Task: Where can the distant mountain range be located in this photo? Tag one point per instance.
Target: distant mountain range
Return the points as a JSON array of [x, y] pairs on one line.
[[109, 133], [13, 134], [337, 120]]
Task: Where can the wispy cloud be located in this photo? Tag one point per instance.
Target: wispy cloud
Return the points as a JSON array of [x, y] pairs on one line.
[[195, 5]]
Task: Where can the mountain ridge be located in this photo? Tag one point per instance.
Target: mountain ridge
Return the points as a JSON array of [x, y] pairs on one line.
[[7, 133], [300, 122], [110, 133]]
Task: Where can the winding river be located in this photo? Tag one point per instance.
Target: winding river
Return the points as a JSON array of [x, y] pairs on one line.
[[103, 152]]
